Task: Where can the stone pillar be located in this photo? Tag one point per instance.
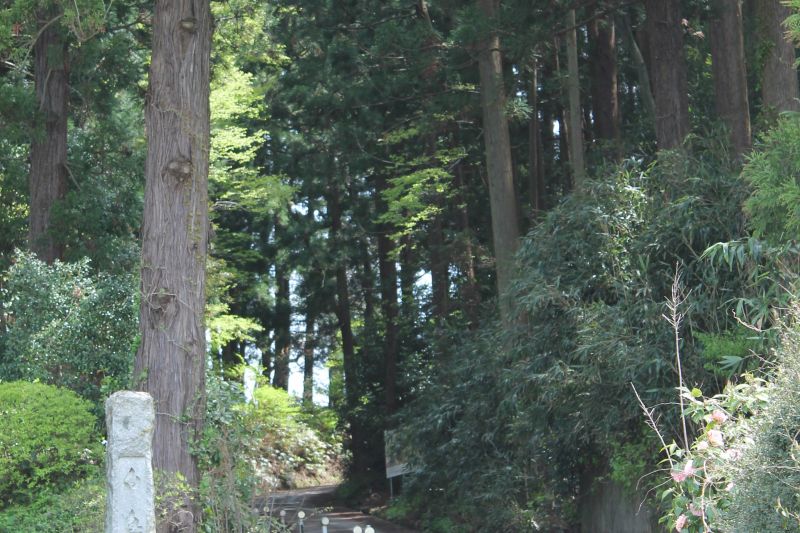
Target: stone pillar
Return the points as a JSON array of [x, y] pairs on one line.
[[130, 506]]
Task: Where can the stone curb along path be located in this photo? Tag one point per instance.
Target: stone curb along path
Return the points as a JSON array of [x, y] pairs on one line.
[[317, 502]]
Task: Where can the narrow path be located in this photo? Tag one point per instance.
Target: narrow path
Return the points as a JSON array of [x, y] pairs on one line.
[[317, 502]]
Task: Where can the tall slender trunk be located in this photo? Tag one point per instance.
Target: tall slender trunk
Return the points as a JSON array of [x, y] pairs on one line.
[[536, 190], [574, 116], [730, 76], [387, 272], [308, 356], [644, 90], [343, 315], [779, 86], [603, 63], [502, 196], [48, 171], [283, 321], [668, 72], [171, 360]]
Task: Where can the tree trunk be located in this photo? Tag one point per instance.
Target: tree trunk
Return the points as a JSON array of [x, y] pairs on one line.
[[536, 190], [171, 359], [283, 323], [308, 356], [730, 76], [343, 315], [603, 63], [48, 171], [779, 86], [574, 117], [668, 72], [645, 91], [502, 196], [387, 271]]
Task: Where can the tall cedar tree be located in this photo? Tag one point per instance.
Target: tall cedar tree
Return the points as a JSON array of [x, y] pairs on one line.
[[603, 65], [48, 170], [667, 72], [502, 198], [730, 75], [574, 115], [170, 362], [779, 86]]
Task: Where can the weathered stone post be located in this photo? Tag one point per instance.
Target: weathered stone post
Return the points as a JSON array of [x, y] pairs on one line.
[[130, 506]]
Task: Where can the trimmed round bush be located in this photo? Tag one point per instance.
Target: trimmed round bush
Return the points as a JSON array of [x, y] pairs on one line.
[[47, 438]]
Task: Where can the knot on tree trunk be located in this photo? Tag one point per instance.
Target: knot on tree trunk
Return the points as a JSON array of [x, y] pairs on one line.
[[180, 169]]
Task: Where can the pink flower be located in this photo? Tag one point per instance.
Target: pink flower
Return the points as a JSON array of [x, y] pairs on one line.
[[715, 438], [702, 445], [678, 476], [695, 510], [680, 523], [719, 416], [688, 471]]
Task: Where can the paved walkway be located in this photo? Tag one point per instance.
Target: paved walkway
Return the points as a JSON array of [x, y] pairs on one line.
[[317, 502]]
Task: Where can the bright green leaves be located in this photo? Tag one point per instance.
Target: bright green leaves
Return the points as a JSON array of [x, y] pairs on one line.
[[419, 188], [774, 173]]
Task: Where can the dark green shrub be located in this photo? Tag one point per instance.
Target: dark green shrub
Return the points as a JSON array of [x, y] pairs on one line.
[[78, 509], [47, 438], [67, 327]]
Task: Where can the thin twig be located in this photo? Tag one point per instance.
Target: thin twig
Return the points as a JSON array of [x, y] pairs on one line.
[[652, 423]]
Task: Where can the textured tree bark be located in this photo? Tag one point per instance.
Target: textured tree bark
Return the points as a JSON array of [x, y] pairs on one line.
[[171, 359], [536, 190], [574, 117], [502, 196], [779, 86], [603, 65], [48, 171], [668, 72], [283, 322], [730, 76]]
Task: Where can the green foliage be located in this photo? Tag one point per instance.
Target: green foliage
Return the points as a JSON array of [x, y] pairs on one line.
[[742, 472], [249, 450], [48, 438], [67, 327], [773, 172], [731, 353], [550, 398], [766, 474], [80, 508], [291, 451], [226, 456]]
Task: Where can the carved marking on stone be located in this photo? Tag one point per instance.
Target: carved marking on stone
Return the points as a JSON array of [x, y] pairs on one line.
[[133, 523], [131, 479]]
